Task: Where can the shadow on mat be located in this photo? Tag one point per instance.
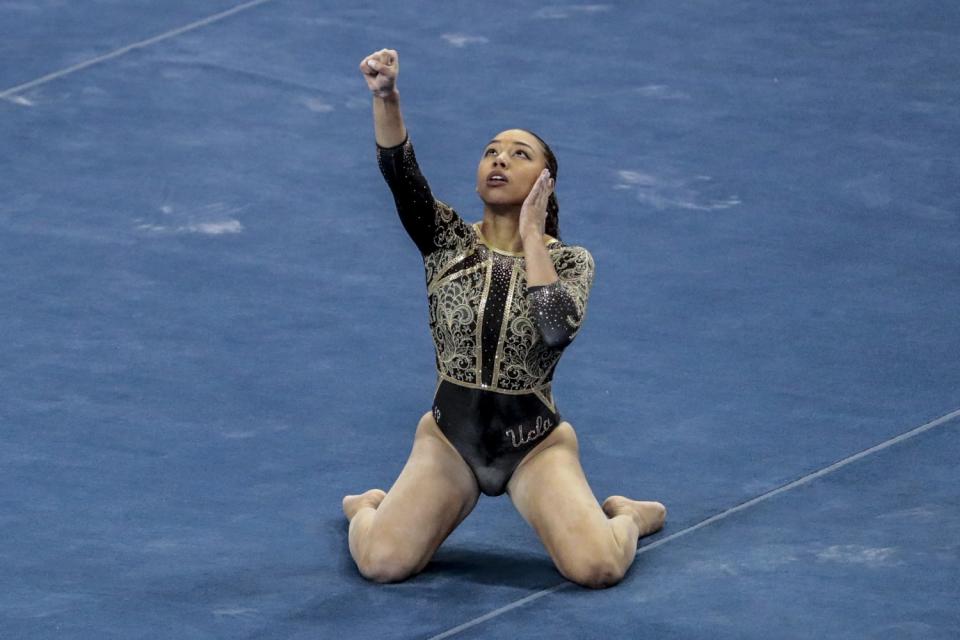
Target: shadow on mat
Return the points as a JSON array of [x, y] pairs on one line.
[[478, 565]]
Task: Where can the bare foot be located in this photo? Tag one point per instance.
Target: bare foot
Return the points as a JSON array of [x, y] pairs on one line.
[[649, 516], [371, 498]]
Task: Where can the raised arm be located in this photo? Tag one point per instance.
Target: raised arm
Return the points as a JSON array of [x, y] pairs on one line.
[[429, 223]]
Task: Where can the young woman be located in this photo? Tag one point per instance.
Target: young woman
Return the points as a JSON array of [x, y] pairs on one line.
[[505, 296]]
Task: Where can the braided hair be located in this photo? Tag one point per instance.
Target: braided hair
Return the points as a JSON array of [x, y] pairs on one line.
[[552, 223]]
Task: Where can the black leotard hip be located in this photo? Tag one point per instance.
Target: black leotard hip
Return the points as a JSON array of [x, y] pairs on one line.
[[492, 431]]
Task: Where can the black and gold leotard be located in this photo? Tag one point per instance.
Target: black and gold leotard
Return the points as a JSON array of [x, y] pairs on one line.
[[497, 340]]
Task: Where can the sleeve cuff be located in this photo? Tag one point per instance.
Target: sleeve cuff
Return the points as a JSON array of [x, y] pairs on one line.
[[396, 146], [538, 287]]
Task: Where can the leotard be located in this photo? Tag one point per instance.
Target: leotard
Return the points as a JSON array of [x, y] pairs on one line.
[[497, 340]]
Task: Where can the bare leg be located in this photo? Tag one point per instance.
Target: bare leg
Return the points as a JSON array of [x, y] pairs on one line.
[[394, 535], [590, 545]]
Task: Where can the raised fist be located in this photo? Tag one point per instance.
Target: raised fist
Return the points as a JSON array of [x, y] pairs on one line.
[[380, 70]]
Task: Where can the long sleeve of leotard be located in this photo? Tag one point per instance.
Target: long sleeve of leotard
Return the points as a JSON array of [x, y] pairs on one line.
[[559, 307], [430, 223]]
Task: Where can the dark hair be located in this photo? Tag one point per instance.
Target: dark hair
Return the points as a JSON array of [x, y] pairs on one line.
[[552, 225]]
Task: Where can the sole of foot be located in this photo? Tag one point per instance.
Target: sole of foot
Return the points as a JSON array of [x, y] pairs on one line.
[[353, 503], [649, 516]]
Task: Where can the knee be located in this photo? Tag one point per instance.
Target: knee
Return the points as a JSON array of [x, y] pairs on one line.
[[386, 563], [594, 573]]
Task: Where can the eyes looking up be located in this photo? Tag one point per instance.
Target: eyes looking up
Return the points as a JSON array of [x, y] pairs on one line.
[[524, 154]]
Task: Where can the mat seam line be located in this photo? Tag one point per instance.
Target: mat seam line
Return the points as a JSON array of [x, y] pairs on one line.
[[7, 94], [718, 516]]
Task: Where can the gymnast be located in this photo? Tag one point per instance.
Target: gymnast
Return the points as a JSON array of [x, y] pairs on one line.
[[506, 296]]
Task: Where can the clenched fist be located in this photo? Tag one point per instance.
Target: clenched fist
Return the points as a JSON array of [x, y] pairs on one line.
[[380, 70]]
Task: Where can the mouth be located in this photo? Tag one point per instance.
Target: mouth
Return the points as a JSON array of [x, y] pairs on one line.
[[496, 179]]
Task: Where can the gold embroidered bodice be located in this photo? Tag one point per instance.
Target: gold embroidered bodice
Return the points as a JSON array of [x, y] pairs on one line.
[[483, 322]]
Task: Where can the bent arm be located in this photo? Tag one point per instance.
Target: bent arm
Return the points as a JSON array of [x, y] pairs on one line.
[[560, 306]]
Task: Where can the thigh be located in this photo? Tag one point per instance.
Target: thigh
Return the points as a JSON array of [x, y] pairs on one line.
[[434, 492], [551, 492]]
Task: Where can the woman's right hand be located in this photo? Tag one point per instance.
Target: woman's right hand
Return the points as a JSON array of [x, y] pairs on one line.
[[380, 70]]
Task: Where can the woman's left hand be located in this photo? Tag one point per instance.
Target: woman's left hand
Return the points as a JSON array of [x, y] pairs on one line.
[[533, 214]]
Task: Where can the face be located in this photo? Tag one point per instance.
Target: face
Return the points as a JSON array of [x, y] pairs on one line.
[[518, 159]]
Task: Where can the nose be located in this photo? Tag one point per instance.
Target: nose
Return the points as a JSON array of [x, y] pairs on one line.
[[500, 159]]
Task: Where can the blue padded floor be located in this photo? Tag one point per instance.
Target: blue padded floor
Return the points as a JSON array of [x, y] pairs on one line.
[[214, 326]]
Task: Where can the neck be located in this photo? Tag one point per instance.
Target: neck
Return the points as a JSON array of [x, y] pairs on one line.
[[501, 227]]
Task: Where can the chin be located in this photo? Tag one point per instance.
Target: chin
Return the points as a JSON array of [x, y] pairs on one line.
[[500, 199]]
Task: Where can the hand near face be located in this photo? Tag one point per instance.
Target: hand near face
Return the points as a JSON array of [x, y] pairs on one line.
[[533, 213], [380, 70]]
